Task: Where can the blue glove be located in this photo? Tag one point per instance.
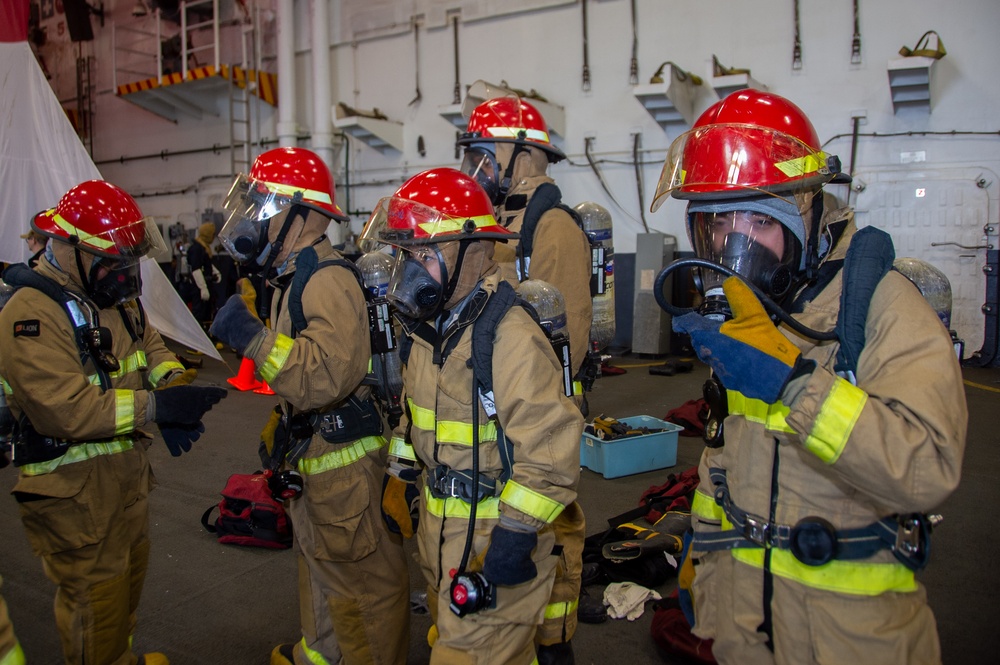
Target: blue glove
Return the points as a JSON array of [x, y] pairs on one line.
[[748, 354], [180, 437], [508, 558], [235, 324]]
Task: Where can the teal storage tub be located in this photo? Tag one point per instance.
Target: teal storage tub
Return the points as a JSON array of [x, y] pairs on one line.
[[633, 454]]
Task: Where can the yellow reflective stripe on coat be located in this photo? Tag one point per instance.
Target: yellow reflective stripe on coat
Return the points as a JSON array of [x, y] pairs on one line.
[[14, 657], [449, 431], [802, 165], [338, 459], [162, 370], [705, 507], [277, 358], [835, 422], [854, 577], [398, 447], [530, 502], [78, 453], [558, 610], [130, 364], [314, 657], [771, 416], [488, 508], [124, 411]]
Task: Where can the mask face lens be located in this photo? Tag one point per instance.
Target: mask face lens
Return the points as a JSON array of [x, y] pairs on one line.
[[752, 244], [250, 206], [482, 165]]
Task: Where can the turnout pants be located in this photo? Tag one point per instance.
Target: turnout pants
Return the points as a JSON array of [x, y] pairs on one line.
[[502, 634], [353, 577], [560, 614], [89, 522]]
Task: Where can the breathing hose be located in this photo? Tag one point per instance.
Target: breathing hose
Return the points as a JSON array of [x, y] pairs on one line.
[[772, 307]]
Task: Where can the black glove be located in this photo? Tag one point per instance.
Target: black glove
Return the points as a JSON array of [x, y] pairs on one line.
[[180, 437], [236, 324], [508, 558], [184, 405]]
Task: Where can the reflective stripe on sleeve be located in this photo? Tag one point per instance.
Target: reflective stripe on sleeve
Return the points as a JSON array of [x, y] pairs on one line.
[[835, 422], [124, 411], [14, 657], [530, 502], [771, 416], [398, 447], [133, 363], [277, 358], [341, 457], [488, 508], [162, 370]]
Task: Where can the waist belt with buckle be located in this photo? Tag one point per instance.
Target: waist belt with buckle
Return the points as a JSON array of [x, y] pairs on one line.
[[453, 483], [814, 541]]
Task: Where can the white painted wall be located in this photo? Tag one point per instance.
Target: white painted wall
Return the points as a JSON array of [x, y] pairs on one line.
[[542, 49]]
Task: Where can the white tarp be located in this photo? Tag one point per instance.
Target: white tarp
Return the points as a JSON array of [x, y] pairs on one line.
[[41, 158]]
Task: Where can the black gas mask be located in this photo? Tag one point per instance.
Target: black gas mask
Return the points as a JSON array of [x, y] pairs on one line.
[[111, 281], [413, 290]]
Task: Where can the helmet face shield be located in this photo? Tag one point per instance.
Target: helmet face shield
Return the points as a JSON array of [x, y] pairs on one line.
[[753, 244], [736, 160], [403, 222], [125, 243], [250, 204]]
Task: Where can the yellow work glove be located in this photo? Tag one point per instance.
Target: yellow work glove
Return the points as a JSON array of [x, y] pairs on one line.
[[267, 434], [248, 293], [399, 505], [748, 353], [185, 378]]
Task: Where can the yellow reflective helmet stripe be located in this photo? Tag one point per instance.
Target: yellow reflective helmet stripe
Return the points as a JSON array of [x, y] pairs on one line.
[[341, 457], [835, 422], [277, 358], [96, 241], [560, 610], [859, 578], [124, 411], [162, 370], [398, 447], [488, 508], [514, 132], [771, 416], [805, 165], [530, 502], [78, 453], [448, 225], [289, 190]]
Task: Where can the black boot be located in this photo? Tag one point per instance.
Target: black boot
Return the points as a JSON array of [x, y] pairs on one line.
[[555, 654]]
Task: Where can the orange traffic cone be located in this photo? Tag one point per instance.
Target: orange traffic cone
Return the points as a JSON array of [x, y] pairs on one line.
[[264, 389], [245, 380]]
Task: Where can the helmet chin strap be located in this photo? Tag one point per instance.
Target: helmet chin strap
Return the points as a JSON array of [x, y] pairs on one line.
[[295, 211], [449, 289], [812, 246], [508, 174]]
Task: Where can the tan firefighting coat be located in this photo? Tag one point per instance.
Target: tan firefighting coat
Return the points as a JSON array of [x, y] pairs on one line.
[[88, 513], [544, 428], [851, 455], [560, 256], [351, 560]]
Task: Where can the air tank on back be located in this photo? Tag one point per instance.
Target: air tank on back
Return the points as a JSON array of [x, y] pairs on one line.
[[598, 227], [376, 267], [550, 306]]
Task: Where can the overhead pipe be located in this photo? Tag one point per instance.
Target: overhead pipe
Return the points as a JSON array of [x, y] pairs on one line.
[[285, 126]]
